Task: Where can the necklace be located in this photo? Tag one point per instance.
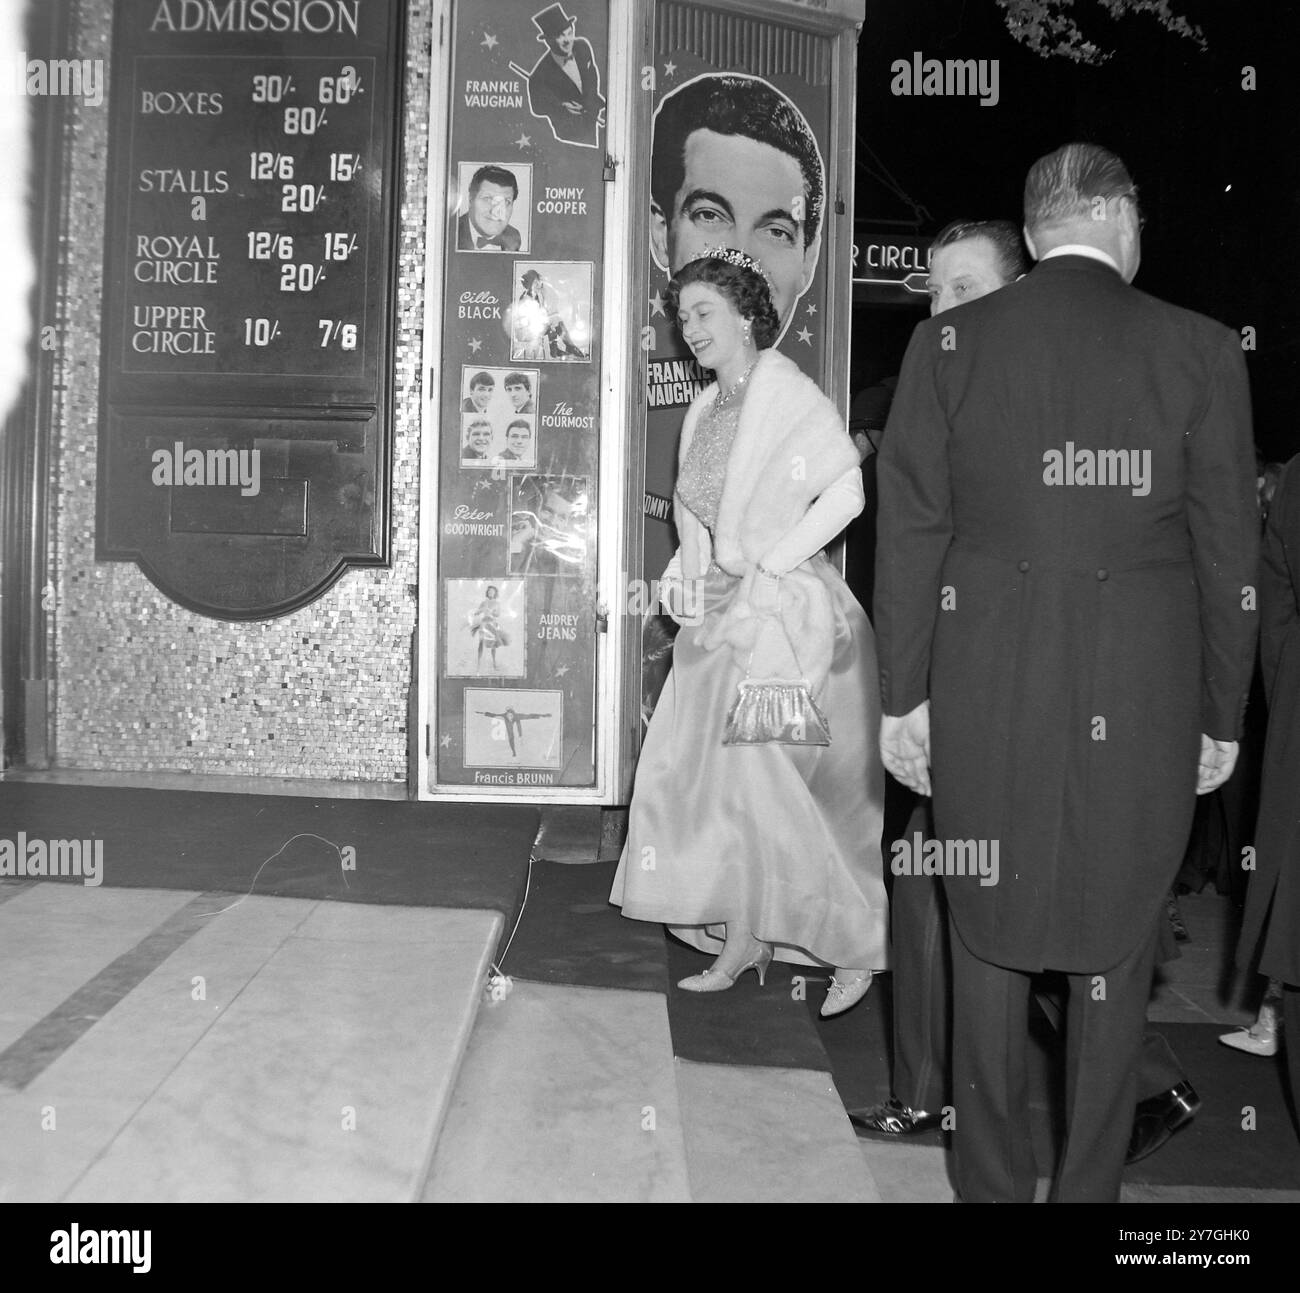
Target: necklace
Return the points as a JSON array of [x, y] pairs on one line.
[[726, 396]]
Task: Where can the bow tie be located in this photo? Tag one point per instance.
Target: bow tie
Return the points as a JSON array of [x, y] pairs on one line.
[[494, 244]]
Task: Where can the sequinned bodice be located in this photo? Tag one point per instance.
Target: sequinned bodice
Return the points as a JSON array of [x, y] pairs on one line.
[[705, 468]]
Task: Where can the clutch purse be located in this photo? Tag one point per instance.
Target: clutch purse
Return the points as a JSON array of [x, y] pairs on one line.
[[775, 711]]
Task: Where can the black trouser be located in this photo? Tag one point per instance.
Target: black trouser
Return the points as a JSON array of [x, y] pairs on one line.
[[921, 977], [991, 1139], [1158, 1069]]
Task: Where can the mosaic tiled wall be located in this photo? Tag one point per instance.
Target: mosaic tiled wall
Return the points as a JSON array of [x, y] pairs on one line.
[[141, 683]]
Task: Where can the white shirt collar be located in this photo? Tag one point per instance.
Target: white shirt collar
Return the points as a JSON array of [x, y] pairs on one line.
[[1082, 249]]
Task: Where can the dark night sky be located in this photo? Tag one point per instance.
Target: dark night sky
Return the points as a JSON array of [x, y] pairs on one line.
[[1174, 113]]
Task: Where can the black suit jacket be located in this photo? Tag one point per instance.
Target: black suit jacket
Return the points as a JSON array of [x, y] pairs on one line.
[[549, 89], [1074, 639], [509, 237]]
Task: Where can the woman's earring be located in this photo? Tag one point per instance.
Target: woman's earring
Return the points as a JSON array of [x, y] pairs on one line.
[[749, 332]]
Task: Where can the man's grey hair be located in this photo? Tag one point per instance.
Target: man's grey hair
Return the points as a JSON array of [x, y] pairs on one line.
[[1061, 187]]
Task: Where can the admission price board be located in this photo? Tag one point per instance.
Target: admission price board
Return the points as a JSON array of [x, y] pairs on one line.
[[250, 259], [278, 285]]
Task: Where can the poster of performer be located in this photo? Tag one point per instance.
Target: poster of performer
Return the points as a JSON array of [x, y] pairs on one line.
[[498, 417], [548, 525], [509, 728], [550, 316], [494, 209], [564, 83], [486, 628]]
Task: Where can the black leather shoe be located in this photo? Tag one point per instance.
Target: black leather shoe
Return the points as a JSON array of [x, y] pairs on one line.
[[1158, 1117], [892, 1118]]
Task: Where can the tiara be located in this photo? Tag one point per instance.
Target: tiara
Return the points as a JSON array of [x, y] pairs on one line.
[[734, 256]]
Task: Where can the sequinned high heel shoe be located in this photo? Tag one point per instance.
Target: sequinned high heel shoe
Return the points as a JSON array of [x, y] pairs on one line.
[[846, 992], [715, 980]]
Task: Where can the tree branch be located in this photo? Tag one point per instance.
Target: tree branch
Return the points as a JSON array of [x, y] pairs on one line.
[[1050, 32]]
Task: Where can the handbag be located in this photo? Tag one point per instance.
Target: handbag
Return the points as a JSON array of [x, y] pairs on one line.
[[775, 711]]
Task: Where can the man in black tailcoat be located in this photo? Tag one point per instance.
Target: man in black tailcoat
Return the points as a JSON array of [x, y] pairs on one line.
[[1065, 616]]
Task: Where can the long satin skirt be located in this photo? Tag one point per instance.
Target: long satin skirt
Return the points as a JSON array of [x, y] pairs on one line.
[[783, 838]]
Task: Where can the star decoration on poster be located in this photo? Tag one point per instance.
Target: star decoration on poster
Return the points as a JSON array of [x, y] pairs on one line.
[[562, 670], [805, 336], [523, 142], [657, 304], [670, 69], [812, 309], [489, 41], [475, 344], [445, 742]]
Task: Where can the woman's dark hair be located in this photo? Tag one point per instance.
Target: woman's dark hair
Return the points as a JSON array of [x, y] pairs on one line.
[[492, 590], [744, 288]]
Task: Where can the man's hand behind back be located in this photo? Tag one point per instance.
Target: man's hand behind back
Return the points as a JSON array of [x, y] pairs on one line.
[[905, 747], [1218, 758]]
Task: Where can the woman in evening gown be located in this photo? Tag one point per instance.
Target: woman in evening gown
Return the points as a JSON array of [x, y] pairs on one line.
[[753, 851]]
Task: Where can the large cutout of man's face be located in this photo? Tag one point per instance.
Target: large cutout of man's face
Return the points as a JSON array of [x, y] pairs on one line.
[[748, 174]]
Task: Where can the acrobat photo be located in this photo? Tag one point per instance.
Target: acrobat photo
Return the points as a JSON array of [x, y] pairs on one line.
[[509, 728]]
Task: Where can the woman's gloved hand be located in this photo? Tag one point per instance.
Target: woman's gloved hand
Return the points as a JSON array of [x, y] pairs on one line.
[[680, 598]]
